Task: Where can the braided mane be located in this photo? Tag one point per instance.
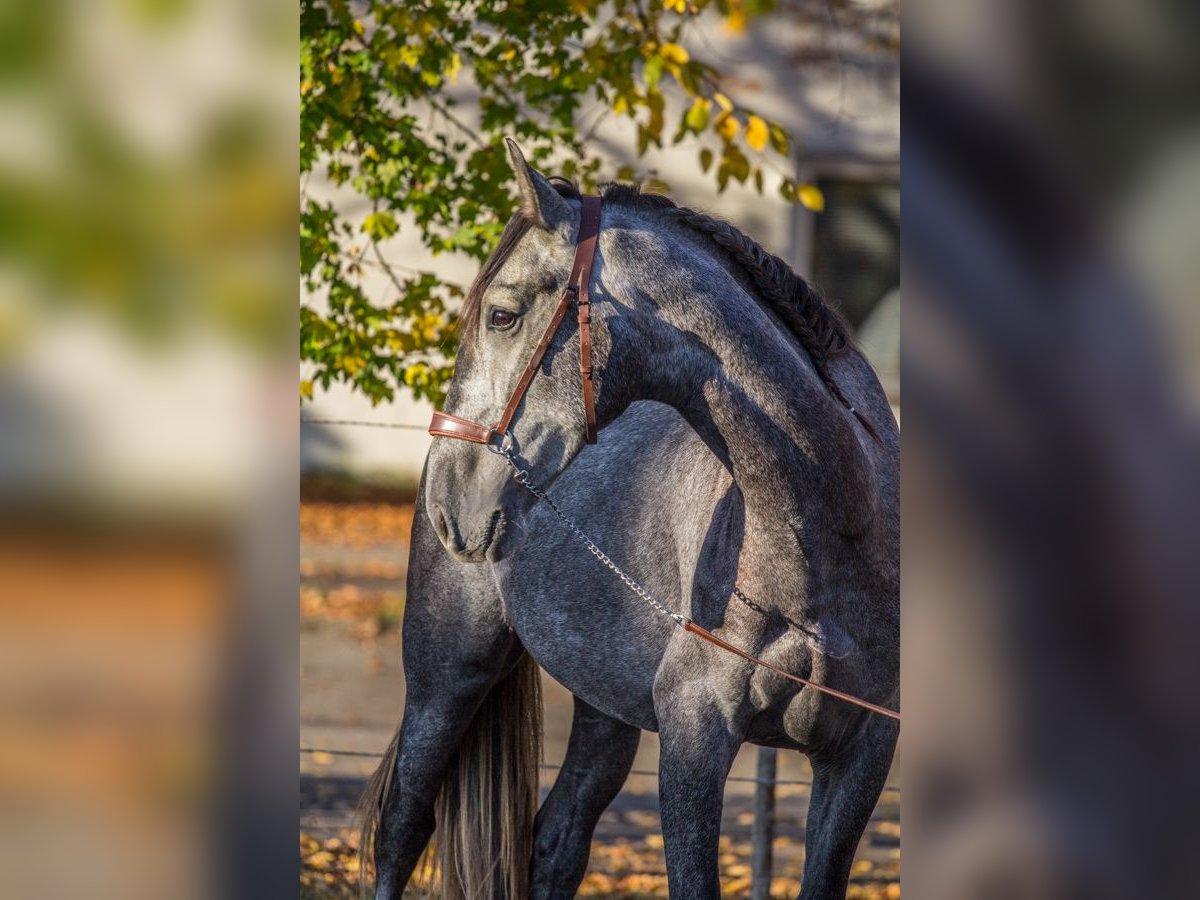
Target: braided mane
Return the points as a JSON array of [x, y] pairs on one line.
[[819, 327]]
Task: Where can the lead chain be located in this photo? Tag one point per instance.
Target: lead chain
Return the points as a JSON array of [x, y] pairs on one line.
[[522, 477]]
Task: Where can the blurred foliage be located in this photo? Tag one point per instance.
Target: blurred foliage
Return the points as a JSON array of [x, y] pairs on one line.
[[382, 88], [119, 200]]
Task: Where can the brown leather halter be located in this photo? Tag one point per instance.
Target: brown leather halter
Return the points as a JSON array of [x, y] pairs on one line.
[[446, 425]]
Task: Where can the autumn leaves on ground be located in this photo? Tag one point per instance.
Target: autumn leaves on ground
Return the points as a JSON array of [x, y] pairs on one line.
[[353, 562], [623, 868]]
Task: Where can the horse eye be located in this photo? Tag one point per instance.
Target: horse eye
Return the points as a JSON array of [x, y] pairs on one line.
[[502, 319]]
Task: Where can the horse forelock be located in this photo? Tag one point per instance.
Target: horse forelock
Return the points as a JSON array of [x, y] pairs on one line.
[[518, 226]]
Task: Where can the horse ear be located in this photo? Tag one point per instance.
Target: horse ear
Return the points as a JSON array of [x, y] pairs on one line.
[[540, 202]]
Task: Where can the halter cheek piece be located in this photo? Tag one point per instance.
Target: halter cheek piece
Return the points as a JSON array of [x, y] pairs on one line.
[[446, 425]]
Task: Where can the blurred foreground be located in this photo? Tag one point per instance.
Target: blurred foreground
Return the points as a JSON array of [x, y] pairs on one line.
[[148, 714], [148, 159], [1050, 486]]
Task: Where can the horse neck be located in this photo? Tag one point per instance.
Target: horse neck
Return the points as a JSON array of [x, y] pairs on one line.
[[752, 394]]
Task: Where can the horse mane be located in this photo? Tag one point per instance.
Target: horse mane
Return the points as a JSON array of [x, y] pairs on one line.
[[819, 328]]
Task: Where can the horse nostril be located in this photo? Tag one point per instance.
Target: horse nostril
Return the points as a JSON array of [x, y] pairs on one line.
[[441, 524]]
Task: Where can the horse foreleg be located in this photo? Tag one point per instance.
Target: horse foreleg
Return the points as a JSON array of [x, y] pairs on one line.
[[846, 787], [599, 756], [696, 751]]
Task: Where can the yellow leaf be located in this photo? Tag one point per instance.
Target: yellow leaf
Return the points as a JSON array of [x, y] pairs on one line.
[[410, 55], [724, 102], [454, 68], [306, 389], [508, 54], [810, 197], [321, 758], [320, 860], [358, 28], [680, 6], [757, 133], [674, 53], [727, 126], [736, 20], [417, 373]]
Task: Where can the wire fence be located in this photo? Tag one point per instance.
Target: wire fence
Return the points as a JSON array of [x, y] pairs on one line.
[[774, 782], [305, 420]]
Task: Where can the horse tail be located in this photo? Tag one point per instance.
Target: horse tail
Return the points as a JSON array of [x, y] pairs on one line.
[[483, 838], [370, 809], [489, 798]]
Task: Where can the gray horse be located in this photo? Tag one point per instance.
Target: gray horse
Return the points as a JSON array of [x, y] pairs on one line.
[[747, 473]]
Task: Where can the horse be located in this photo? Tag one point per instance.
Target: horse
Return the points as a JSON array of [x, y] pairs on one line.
[[747, 473]]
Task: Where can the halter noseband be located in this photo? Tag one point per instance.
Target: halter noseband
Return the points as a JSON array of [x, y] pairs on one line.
[[446, 425]]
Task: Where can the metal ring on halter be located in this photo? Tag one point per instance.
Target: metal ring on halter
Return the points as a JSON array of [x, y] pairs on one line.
[[504, 448]]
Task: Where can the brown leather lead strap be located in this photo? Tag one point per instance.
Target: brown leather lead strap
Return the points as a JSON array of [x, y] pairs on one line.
[[695, 629]]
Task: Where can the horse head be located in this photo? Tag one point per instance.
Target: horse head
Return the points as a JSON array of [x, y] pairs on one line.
[[476, 507]]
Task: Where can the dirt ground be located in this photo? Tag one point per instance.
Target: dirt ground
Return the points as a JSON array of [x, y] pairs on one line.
[[353, 563]]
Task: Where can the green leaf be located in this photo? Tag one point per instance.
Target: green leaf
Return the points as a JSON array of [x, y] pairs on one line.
[[733, 165], [696, 117], [780, 141], [643, 139], [652, 71], [706, 159]]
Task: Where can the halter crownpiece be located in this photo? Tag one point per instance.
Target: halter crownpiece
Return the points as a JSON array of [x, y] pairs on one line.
[[446, 425]]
